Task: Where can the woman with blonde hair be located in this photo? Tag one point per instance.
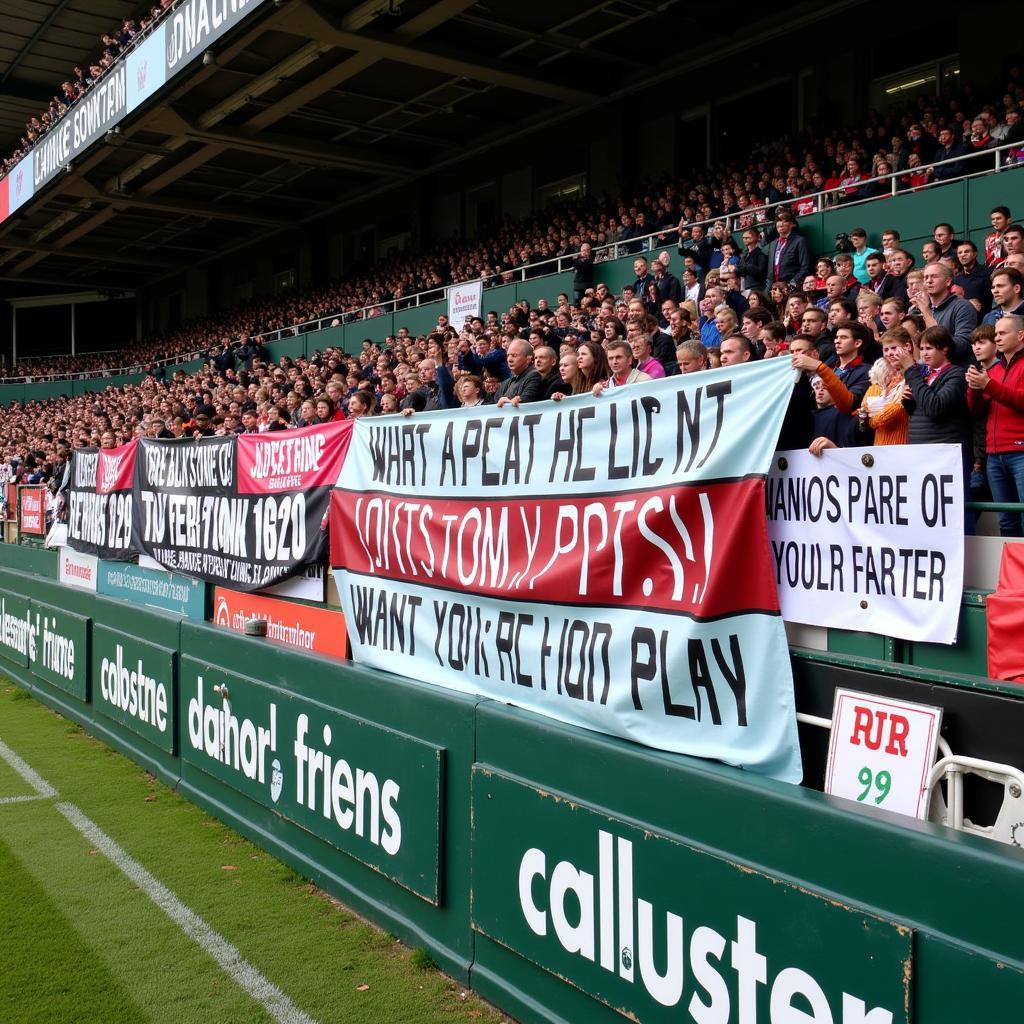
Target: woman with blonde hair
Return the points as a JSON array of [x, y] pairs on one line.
[[882, 408], [725, 321], [569, 371]]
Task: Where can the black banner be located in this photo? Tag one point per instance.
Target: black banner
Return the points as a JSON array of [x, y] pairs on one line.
[[99, 501], [245, 512]]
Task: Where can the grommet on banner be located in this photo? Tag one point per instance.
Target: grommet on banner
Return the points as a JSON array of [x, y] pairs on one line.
[[864, 604], [868, 459], [783, 464]]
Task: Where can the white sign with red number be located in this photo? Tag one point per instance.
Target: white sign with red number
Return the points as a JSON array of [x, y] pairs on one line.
[[881, 751]]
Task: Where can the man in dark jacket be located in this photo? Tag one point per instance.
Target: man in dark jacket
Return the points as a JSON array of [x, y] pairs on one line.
[[436, 387], [526, 384], [974, 280], [949, 149], [643, 277], [667, 284], [483, 358], [583, 273], [752, 265], [224, 360], [788, 256], [545, 362]]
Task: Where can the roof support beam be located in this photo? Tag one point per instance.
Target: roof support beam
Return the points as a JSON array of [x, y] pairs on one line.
[[301, 151], [100, 255], [320, 25], [34, 38], [24, 92], [186, 207]]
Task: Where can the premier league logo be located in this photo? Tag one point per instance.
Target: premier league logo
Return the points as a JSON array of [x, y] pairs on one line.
[[140, 75], [18, 182]]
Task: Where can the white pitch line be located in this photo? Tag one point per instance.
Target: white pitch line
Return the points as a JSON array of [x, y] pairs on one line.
[[267, 994], [20, 799], [227, 956], [29, 774]]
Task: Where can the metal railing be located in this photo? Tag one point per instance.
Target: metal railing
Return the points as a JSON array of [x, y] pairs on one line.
[[996, 160], [758, 217]]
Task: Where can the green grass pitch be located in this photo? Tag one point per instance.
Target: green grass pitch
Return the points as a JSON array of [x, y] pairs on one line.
[[80, 943]]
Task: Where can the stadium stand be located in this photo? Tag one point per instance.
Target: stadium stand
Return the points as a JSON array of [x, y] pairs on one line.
[[871, 360], [877, 255], [931, 137]]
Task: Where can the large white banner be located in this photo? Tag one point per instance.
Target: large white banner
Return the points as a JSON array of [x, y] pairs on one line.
[[601, 561], [870, 539], [464, 301]]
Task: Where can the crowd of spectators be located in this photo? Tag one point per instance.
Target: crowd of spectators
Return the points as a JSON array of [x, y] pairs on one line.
[[781, 175], [83, 79], [890, 349], [134, 358]]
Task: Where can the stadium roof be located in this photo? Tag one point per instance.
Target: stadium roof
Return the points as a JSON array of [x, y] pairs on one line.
[[309, 107]]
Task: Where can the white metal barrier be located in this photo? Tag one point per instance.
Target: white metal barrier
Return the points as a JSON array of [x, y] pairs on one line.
[[948, 810]]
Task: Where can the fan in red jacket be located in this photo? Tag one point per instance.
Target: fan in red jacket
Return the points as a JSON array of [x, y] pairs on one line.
[[1000, 390]]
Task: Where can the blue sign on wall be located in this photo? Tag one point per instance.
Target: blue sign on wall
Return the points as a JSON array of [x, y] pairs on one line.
[[167, 590]]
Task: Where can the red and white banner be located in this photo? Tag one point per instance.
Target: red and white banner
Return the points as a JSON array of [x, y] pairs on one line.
[[32, 509], [314, 630], [100, 501], [601, 561], [292, 460]]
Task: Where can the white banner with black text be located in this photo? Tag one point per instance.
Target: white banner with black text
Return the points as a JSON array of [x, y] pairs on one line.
[[870, 539], [603, 561]]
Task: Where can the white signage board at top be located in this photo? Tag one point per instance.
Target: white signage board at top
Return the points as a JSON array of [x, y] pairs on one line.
[[464, 301], [881, 751]]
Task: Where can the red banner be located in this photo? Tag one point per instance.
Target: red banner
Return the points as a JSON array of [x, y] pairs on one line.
[[652, 549], [32, 509], [116, 468], [291, 625], [292, 460]]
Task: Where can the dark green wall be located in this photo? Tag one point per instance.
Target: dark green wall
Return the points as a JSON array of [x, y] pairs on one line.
[[897, 912]]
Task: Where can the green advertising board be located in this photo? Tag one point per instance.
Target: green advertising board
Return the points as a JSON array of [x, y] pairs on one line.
[[367, 790], [133, 685], [60, 651], [16, 636], [662, 931], [167, 590]]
